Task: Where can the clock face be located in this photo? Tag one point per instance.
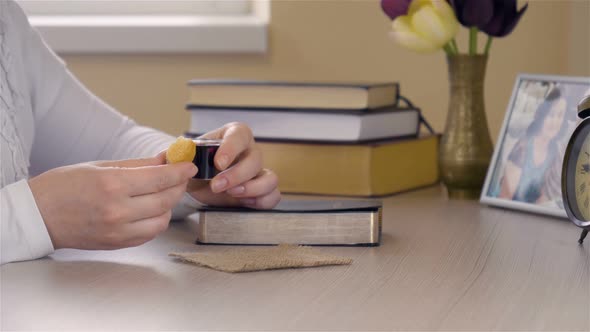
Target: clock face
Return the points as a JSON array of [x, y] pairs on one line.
[[576, 176], [582, 179]]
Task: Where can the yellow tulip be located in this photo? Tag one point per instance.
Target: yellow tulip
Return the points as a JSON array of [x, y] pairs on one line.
[[428, 26]]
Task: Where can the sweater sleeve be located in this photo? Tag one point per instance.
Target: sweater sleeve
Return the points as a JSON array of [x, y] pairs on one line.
[[71, 126]]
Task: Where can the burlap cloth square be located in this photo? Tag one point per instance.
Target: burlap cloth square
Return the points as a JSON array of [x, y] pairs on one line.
[[248, 259]]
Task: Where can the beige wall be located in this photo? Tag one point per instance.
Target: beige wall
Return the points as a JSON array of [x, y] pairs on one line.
[[344, 41]]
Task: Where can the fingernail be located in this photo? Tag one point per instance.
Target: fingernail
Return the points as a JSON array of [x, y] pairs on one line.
[[193, 170], [218, 185], [222, 161], [236, 190], [248, 201]]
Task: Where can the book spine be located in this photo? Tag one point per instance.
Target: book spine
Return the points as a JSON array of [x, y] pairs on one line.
[[359, 112], [349, 229], [222, 82], [322, 142]]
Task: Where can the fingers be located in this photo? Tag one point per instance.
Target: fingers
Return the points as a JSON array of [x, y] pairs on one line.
[[237, 138], [133, 163], [263, 202], [248, 167], [148, 229], [259, 193], [263, 184], [150, 205], [161, 156], [139, 232], [244, 183], [152, 179]]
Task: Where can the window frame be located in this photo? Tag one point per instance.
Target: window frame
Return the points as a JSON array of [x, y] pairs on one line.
[[129, 34]]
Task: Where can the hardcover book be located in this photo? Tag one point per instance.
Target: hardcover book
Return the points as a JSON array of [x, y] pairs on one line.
[[306, 222], [280, 94], [313, 125], [369, 169]]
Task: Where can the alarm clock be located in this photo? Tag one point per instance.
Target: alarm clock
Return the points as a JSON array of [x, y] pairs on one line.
[[575, 173]]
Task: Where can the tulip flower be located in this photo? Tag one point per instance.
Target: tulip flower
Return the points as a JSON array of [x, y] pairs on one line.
[[429, 25], [505, 18], [473, 13], [395, 8], [497, 18]]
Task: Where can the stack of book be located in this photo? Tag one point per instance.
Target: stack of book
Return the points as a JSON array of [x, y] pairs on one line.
[[324, 138]]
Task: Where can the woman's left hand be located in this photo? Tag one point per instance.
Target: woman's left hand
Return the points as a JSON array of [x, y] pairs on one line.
[[243, 181]]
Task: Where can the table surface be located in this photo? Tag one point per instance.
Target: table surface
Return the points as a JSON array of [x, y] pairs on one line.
[[443, 265]]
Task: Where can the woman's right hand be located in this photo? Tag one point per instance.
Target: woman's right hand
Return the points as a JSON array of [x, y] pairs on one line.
[[109, 205]]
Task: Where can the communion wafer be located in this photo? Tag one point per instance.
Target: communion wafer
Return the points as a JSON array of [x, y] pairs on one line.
[[183, 149]]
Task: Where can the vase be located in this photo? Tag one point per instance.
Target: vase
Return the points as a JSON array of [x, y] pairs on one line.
[[465, 148]]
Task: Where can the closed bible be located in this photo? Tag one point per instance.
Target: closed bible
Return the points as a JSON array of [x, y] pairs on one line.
[[305, 222]]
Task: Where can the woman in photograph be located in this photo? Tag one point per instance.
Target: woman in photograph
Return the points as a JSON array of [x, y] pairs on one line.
[[532, 168]]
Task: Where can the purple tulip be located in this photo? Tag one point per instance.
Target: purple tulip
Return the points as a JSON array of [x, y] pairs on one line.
[[395, 8], [505, 18], [473, 13]]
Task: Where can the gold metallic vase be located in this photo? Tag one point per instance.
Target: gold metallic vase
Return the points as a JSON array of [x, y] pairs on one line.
[[465, 148]]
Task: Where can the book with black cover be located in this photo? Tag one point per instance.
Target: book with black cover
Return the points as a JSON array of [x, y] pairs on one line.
[[288, 94], [306, 222]]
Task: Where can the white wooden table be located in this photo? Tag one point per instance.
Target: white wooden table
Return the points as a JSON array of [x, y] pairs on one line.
[[443, 265]]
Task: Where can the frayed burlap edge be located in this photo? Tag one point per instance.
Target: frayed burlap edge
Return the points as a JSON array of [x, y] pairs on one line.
[[248, 259]]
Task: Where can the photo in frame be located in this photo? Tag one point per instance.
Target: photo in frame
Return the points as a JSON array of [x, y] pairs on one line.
[[525, 171]]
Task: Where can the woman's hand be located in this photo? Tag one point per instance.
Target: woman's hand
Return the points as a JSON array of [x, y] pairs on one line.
[[243, 181], [109, 205]]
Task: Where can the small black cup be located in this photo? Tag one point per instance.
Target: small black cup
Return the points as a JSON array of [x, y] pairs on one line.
[[206, 150]]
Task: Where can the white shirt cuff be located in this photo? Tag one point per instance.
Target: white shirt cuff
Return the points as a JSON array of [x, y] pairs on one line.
[[23, 233]]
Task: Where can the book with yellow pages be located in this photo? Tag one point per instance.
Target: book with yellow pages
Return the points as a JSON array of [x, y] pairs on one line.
[[306, 222], [367, 169], [210, 93]]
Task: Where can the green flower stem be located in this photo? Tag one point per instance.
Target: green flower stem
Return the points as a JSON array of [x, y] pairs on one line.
[[454, 45], [488, 45], [472, 40], [448, 49]]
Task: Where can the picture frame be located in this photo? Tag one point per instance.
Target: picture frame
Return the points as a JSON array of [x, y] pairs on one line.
[[525, 170]]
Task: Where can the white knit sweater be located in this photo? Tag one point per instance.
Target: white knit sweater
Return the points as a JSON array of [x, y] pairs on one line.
[[48, 119]]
